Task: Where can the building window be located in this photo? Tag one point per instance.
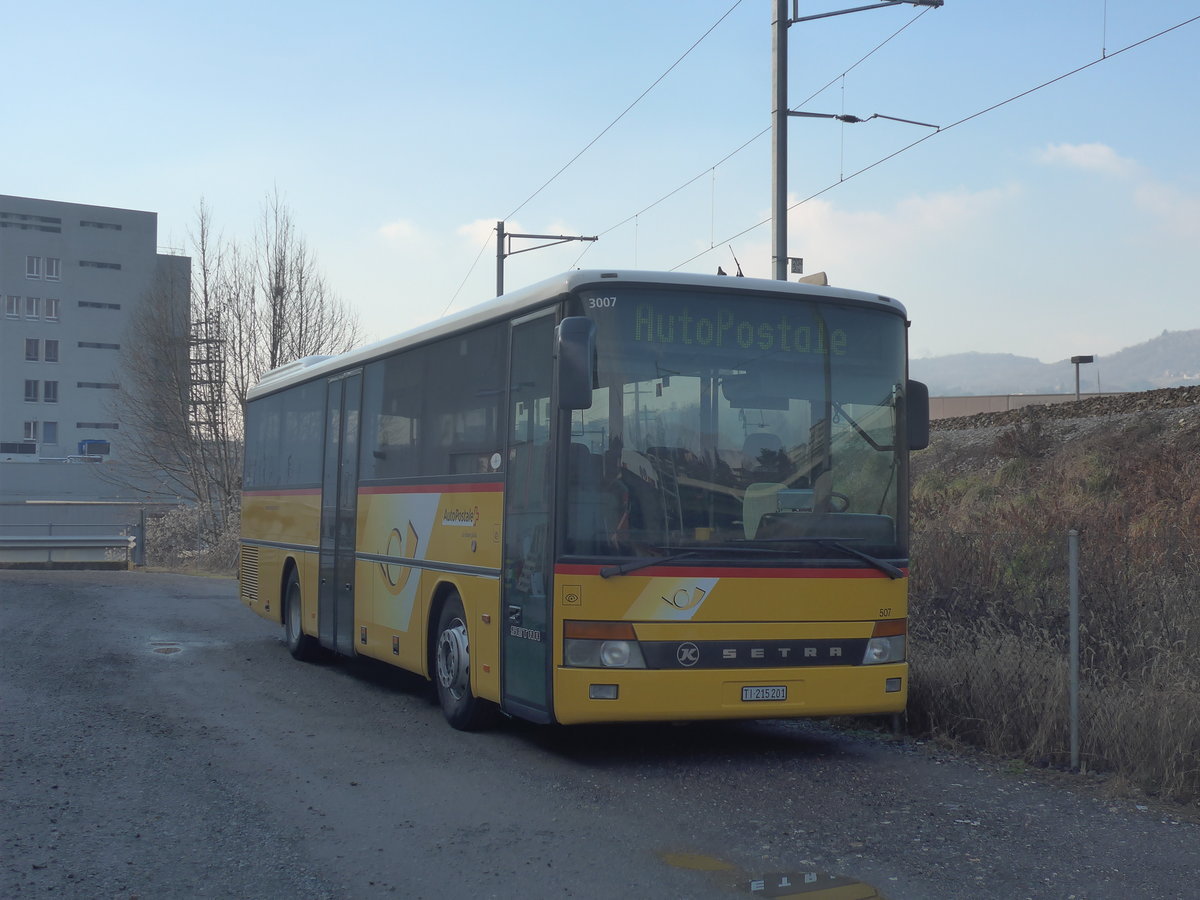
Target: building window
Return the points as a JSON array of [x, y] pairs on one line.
[[31, 390], [92, 304], [32, 305], [52, 268], [86, 224], [12, 306], [33, 349], [49, 432], [50, 391], [112, 426], [31, 431], [94, 264], [51, 350], [94, 345], [33, 267], [103, 385], [51, 309]]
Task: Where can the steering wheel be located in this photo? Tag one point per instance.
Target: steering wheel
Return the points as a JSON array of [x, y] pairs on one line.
[[838, 503]]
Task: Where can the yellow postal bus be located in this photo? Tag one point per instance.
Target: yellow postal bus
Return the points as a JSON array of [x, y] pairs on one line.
[[610, 497]]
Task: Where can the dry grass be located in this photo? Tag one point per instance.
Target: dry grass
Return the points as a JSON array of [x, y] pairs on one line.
[[989, 608], [179, 541]]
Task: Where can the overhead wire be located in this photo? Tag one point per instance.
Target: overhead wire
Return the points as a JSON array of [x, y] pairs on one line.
[[466, 277], [590, 143], [639, 99], [975, 115], [765, 131]]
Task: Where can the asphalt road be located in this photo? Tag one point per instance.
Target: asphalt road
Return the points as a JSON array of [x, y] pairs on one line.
[[157, 741]]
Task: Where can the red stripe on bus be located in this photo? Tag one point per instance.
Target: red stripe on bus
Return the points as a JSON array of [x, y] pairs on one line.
[[725, 572], [482, 487], [290, 492]]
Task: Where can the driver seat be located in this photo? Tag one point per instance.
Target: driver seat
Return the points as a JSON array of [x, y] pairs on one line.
[[762, 498]]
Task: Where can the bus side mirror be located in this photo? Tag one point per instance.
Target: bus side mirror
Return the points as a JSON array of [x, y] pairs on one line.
[[574, 351], [917, 405]]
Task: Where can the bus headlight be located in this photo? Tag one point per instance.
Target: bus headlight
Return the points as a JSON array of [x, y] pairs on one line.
[[615, 654], [601, 645], [884, 650]]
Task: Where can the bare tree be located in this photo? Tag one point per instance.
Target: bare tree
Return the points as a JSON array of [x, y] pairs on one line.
[[215, 409], [300, 316], [153, 405], [188, 378]]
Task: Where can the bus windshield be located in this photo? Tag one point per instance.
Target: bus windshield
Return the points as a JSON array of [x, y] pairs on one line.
[[750, 427]]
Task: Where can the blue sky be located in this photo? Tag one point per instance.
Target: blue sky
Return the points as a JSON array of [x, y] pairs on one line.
[[1063, 223]]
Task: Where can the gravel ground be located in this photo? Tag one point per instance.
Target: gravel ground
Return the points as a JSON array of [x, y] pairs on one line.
[[156, 741]]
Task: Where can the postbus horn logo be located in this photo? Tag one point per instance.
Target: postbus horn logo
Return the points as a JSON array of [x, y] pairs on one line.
[[395, 575]]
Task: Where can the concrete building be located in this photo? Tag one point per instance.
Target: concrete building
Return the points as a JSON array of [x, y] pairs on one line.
[[73, 279]]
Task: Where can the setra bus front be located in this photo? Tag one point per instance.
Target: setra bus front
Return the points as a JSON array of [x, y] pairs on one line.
[[732, 536]]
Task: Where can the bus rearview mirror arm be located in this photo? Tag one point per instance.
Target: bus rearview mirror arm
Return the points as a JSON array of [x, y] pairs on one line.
[[917, 409], [574, 355]]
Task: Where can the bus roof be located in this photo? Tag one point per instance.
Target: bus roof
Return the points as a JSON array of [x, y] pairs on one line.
[[536, 295]]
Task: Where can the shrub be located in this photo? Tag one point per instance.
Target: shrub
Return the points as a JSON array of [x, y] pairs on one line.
[[989, 600], [188, 538]]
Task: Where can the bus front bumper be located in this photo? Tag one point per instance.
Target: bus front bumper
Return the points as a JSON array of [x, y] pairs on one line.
[[652, 695]]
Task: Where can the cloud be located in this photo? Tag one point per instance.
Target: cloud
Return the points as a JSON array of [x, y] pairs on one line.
[[864, 247], [1089, 157], [1176, 210], [482, 230], [836, 237], [398, 231]]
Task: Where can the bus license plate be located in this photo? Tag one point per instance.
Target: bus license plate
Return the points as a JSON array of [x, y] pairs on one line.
[[764, 692]]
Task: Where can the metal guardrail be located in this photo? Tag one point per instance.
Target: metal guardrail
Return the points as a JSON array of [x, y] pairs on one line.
[[67, 550]]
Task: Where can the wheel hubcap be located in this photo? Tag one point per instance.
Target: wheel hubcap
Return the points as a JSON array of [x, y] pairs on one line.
[[454, 660], [293, 616]]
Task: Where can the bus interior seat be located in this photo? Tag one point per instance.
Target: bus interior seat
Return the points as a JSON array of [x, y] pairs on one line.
[[583, 466], [762, 498], [647, 514], [589, 505]]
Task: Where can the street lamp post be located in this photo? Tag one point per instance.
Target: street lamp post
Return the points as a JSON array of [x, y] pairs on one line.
[[779, 117], [1077, 361]]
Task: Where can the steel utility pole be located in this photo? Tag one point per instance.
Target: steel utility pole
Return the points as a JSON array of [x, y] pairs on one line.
[[503, 242], [779, 117], [779, 120]]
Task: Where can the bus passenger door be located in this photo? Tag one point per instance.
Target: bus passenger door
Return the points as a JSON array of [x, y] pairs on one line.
[[339, 508], [527, 642]]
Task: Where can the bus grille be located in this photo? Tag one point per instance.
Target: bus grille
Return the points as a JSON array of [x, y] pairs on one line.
[[248, 573]]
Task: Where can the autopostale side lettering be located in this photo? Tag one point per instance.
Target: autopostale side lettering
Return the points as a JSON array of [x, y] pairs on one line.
[[756, 654]]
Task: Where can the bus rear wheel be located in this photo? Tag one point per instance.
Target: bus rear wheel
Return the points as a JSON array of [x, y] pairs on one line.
[[452, 657], [302, 646]]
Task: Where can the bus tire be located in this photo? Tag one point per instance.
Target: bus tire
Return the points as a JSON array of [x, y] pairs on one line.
[[303, 647], [452, 671]]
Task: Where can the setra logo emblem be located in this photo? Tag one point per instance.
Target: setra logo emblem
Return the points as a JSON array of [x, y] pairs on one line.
[[687, 654]]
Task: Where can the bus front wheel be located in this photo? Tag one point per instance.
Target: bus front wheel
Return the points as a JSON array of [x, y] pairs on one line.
[[302, 646], [463, 710]]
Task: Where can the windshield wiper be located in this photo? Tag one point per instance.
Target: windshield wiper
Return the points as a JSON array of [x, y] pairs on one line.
[[836, 543], [881, 564], [840, 544], [644, 563]]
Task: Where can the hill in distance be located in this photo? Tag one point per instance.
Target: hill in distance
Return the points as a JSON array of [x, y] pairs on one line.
[[1170, 360]]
